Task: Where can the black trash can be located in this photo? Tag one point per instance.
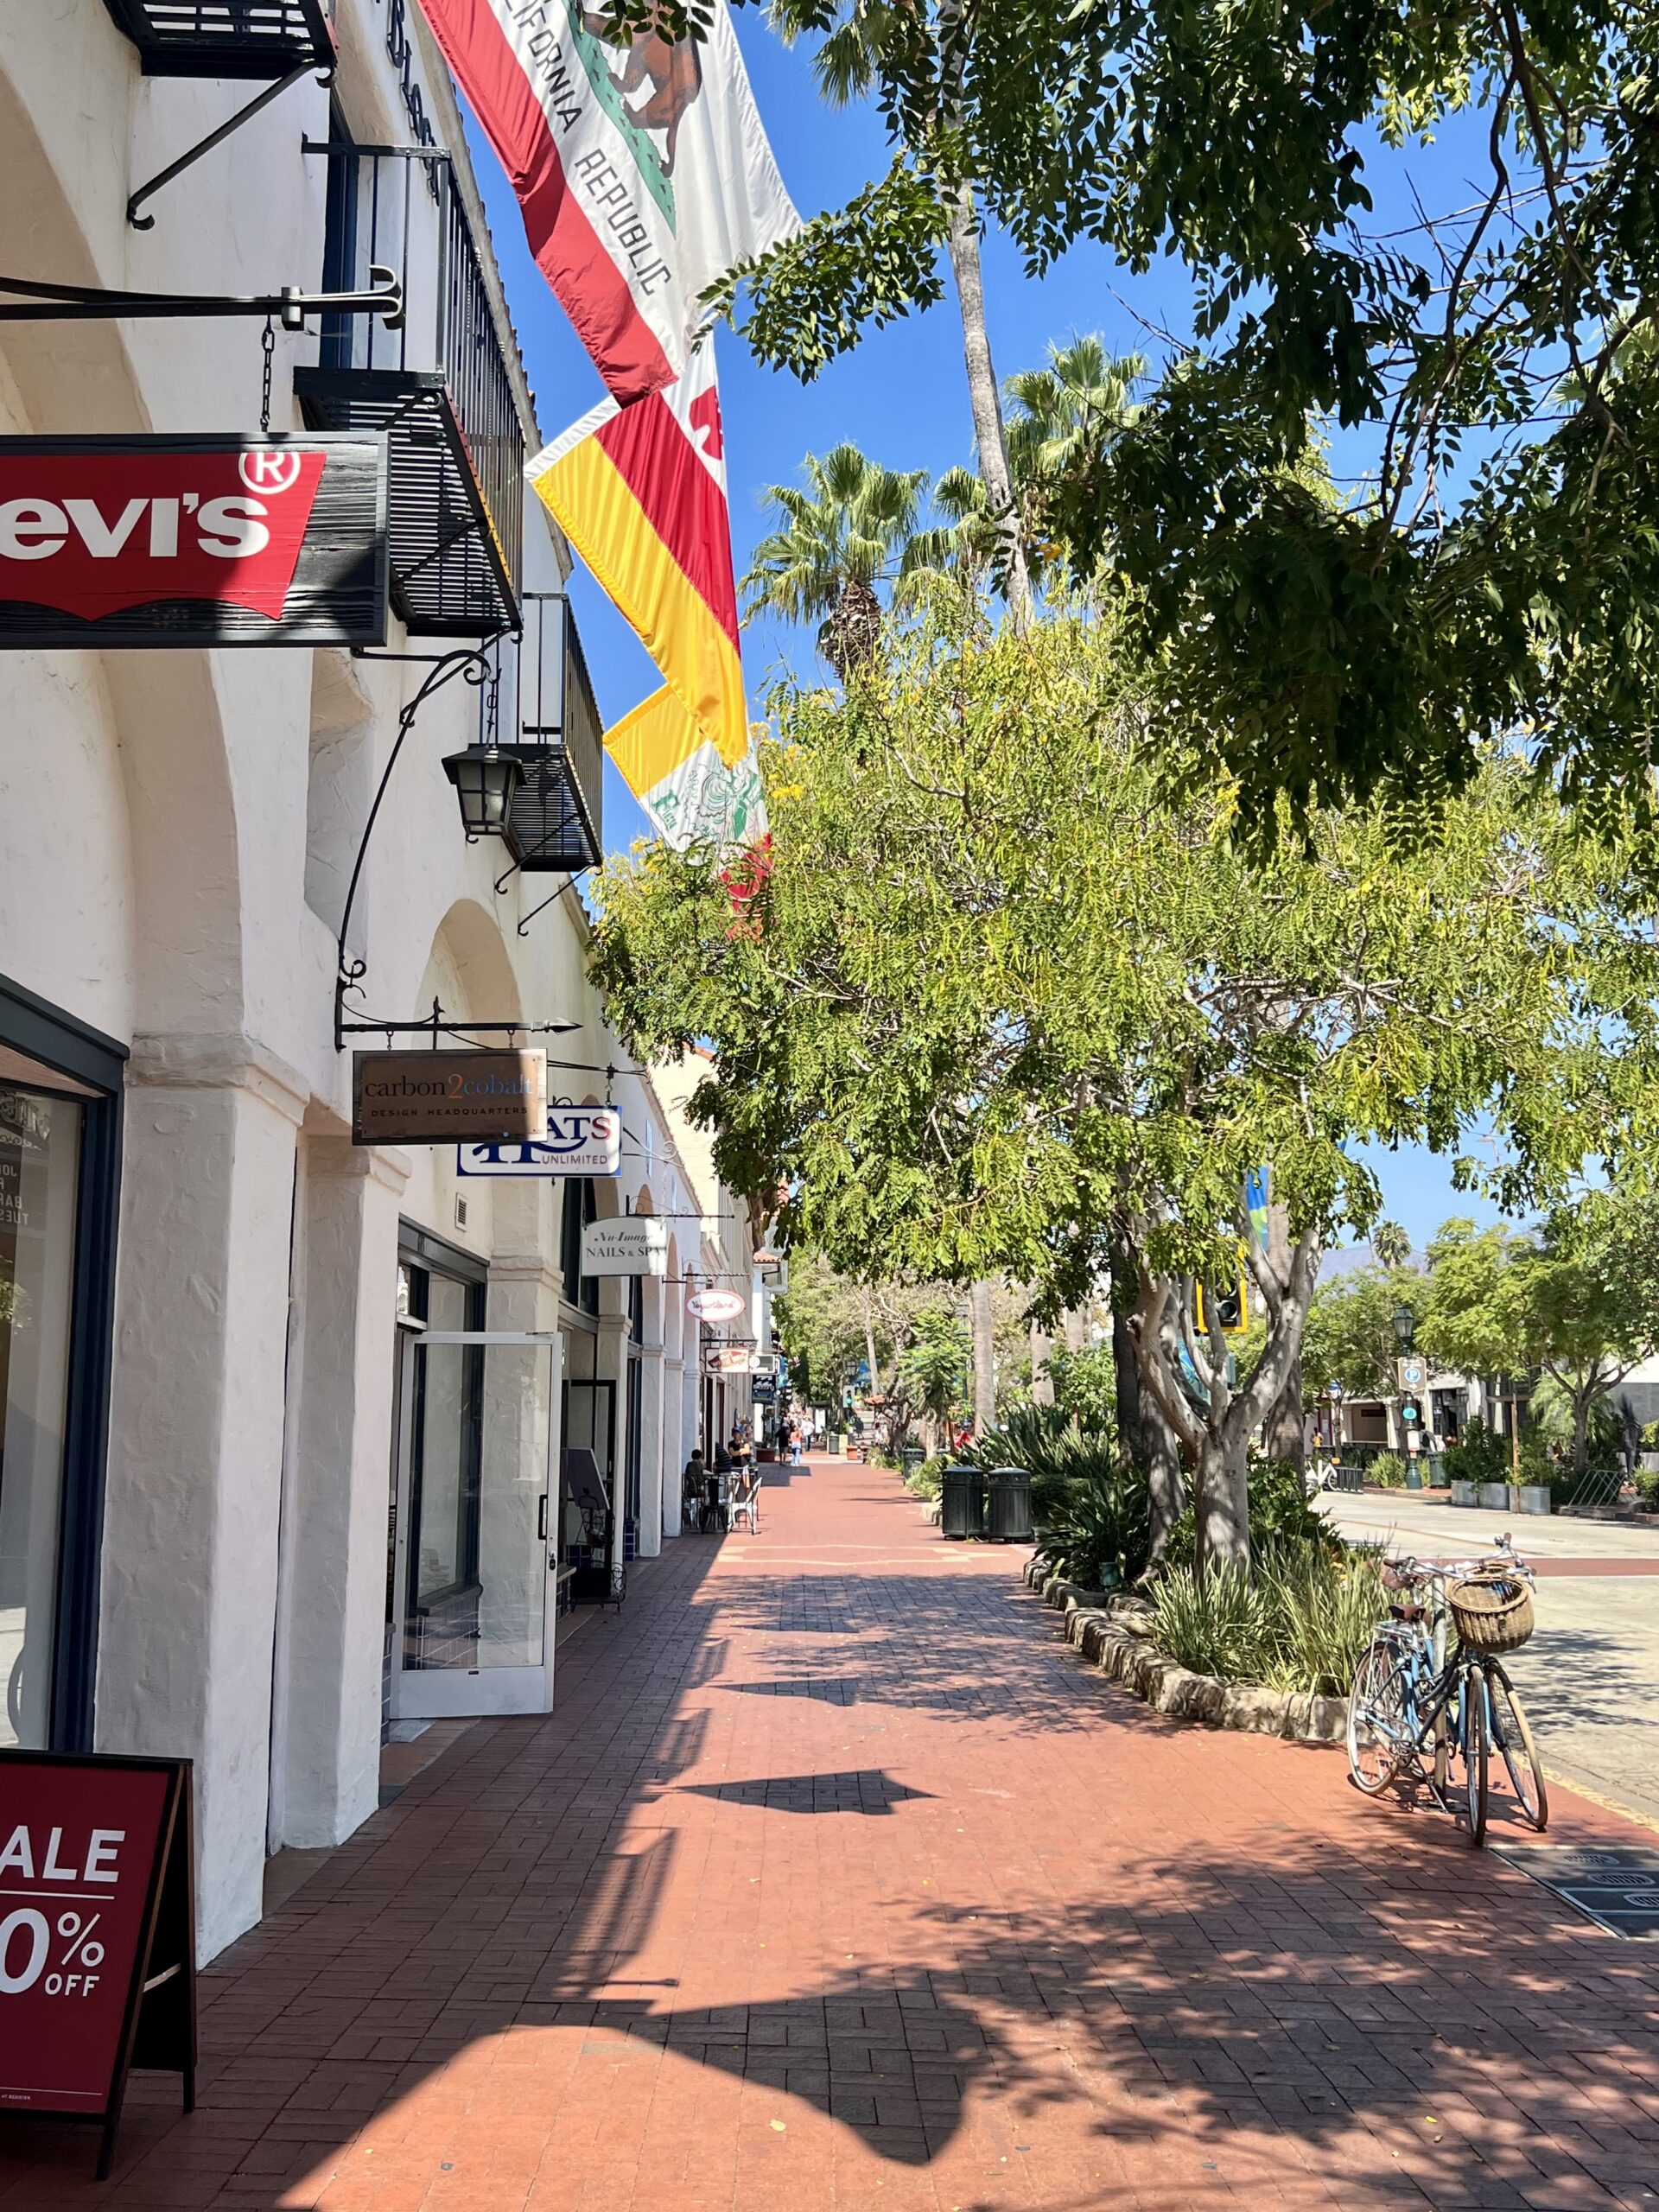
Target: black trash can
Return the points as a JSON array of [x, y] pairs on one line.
[[832, 1443], [1007, 1514], [961, 1503]]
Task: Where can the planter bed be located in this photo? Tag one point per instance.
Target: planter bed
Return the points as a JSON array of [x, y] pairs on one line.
[[1109, 1629]]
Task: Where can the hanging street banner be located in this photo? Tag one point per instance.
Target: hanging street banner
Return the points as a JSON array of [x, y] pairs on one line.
[[580, 1140], [628, 1244], [481, 1097], [640, 491], [192, 541], [642, 171]]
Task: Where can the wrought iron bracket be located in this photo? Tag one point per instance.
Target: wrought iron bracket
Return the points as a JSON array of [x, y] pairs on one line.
[[217, 138], [35, 301], [432, 1026]]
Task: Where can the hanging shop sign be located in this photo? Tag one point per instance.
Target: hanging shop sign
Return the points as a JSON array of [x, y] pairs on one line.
[[725, 1359], [192, 541], [716, 1305], [580, 1140], [634, 1244], [97, 1963], [763, 1390], [479, 1097]]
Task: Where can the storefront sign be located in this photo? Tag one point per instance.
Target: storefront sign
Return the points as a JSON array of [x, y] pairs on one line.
[[204, 540], [635, 1244], [725, 1359], [437, 1097], [580, 1140], [97, 1932], [763, 1390], [716, 1305]]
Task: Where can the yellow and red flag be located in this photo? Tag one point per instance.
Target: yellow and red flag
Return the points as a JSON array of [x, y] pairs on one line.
[[640, 492]]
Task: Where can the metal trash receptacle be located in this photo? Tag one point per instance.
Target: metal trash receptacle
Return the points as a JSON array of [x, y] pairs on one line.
[[1007, 1506], [832, 1442], [961, 1503]]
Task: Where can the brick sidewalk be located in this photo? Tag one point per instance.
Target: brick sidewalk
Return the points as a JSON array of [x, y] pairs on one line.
[[836, 1882]]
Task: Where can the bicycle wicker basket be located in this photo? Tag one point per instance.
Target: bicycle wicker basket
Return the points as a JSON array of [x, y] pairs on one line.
[[1491, 1613]]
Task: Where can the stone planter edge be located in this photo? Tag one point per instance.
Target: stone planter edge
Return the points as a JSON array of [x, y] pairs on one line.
[[1107, 1629]]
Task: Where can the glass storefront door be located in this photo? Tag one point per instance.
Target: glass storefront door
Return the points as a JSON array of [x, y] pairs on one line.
[[39, 1169], [472, 1627]]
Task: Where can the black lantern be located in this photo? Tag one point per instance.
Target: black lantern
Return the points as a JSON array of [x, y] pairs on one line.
[[1405, 1325], [485, 779]]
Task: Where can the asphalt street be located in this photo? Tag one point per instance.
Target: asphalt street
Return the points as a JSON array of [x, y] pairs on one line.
[[1590, 1676]]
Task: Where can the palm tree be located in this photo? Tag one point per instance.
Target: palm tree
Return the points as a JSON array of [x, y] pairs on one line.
[[1391, 1244], [1058, 416], [851, 528], [878, 37]]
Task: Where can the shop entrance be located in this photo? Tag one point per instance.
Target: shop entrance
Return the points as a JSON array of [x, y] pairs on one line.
[[476, 1535]]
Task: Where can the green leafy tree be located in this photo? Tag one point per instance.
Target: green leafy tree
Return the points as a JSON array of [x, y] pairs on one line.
[[1562, 1304], [1001, 1006], [1494, 565], [1350, 1338], [934, 1366]]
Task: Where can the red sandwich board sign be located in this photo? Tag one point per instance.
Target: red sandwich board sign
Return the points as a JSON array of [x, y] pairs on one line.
[[192, 541], [97, 1953]]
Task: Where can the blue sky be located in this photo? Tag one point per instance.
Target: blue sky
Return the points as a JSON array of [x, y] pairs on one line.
[[902, 396]]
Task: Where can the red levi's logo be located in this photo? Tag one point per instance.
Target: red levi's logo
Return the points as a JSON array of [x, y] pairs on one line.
[[95, 534]]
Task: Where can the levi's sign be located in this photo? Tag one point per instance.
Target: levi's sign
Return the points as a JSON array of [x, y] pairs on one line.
[[580, 1140], [446, 1098], [204, 540]]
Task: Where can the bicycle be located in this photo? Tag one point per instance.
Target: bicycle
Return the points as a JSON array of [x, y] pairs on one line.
[[1415, 1693]]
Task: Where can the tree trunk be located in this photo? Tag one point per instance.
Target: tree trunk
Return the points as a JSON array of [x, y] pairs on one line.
[[1042, 1384], [984, 1343], [1284, 1432], [1222, 1495], [869, 1349], [985, 401], [1165, 1485], [1580, 1431]]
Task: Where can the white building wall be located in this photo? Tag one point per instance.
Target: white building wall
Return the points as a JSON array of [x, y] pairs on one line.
[[176, 832]]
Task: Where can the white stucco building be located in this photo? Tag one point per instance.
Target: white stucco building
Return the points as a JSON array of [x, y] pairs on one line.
[[252, 1503]]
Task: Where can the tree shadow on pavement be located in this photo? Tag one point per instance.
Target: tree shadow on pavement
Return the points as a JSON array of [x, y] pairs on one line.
[[1369, 2016]]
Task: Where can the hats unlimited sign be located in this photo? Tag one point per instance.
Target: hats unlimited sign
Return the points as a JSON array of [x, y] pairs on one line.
[[192, 541]]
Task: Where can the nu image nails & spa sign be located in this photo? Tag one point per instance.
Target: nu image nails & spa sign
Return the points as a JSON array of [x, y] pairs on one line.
[[631, 1244], [192, 541], [471, 1097]]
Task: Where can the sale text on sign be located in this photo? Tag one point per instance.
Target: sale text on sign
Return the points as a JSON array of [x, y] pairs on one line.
[[97, 1958]]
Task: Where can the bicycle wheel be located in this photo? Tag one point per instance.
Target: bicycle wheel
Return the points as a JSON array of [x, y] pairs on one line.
[[1475, 1777], [1514, 1740], [1375, 1721]]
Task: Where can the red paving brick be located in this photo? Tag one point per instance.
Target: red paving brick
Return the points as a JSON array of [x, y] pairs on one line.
[[836, 1881]]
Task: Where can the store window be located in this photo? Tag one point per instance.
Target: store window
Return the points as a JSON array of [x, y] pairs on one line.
[[59, 1164], [581, 1206]]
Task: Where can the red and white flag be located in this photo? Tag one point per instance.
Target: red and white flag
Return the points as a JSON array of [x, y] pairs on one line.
[[643, 171]]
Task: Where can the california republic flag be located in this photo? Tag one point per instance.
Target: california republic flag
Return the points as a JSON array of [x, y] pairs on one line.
[[642, 170]]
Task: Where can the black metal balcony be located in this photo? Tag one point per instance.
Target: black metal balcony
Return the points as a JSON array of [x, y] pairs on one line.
[[228, 38], [554, 827], [439, 387]]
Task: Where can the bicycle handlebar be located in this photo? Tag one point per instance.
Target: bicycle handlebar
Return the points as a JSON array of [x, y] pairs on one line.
[[1410, 1569]]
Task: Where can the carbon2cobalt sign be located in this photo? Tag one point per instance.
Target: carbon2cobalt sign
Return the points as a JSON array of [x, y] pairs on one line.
[[192, 541], [481, 1097]]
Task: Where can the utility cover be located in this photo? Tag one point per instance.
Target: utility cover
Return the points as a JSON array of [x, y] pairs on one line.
[[1616, 1885]]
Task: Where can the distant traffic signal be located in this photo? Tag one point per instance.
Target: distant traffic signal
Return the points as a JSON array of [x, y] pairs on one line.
[[1229, 1304]]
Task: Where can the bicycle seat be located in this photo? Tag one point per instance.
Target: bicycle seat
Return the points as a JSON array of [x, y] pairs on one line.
[[1407, 1612]]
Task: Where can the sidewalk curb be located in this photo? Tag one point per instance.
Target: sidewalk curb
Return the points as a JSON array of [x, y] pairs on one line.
[[1107, 1629]]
